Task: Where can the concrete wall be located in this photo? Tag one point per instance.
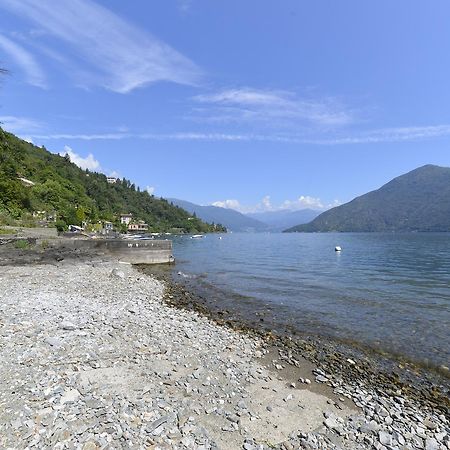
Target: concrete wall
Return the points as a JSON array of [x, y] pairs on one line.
[[134, 252], [39, 233]]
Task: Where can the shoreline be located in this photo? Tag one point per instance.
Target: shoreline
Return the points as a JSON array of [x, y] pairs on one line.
[[94, 357], [428, 385]]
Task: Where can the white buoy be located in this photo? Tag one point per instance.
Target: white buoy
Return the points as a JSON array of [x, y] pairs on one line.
[[337, 249]]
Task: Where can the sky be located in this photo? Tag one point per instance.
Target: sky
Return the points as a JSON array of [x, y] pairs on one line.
[[255, 105]]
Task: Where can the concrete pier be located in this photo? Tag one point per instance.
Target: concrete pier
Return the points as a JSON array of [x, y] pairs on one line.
[[134, 252]]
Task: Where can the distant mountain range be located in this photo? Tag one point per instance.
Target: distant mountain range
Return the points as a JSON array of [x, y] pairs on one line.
[[231, 219], [285, 218], [416, 201], [251, 222]]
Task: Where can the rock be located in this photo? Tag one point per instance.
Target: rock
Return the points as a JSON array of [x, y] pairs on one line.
[[321, 379], [67, 325], [431, 444], [157, 423], [429, 424], [331, 422], [70, 396], [116, 273], [385, 438], [54, 342]]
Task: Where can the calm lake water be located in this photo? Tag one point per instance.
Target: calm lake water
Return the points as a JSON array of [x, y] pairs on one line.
[[387, 291]]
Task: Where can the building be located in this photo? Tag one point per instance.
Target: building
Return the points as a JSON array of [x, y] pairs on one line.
[[125, 219], [139, 226], [26, 182], [75, 229], [111, 180], [108, 227]]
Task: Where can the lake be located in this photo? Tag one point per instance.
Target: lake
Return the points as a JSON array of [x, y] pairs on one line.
[[387, 291]]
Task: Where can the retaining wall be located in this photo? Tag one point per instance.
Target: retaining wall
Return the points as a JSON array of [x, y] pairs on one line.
[[134, 252]]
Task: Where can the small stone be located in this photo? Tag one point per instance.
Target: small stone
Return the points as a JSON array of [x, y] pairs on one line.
[[68, 326], [116, 273], [70, 396], [431, 444], [331, 423], [385, 438], [53, 342], [242, 405], [321, 379], [429, 424]]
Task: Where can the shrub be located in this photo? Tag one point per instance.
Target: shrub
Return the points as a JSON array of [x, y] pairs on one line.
[[22, 244]]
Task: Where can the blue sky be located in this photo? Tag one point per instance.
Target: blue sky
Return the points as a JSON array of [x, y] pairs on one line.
[[258, 105]]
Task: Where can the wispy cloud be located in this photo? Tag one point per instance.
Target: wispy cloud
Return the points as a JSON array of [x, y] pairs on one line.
[[112, 52], [266, 204], [273, 107], [395, 134], [184, 6], [25, 60], [19, 125]]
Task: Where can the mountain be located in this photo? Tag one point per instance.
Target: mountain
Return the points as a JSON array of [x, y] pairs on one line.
[[229, 218], [416, 201], [34, 182], [280, 220]]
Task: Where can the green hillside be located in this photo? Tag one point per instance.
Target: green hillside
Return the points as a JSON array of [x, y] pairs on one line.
[[416, 201], [74, 196]]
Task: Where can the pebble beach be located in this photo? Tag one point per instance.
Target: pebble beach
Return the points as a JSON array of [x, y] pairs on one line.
[[94, 357]]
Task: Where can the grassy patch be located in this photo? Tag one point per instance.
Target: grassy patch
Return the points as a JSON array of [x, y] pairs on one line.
[[5, 231], [22, 244]]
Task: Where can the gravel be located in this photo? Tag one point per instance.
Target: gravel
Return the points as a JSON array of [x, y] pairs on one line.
[[92, 358]]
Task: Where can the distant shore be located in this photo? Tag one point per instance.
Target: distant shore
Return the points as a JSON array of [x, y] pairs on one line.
[[95, 354]]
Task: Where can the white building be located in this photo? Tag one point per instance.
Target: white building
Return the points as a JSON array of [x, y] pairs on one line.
[[126, 219], [111, 180]]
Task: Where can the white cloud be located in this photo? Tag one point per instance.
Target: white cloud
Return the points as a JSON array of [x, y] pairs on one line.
[[273, 107], [265, 205], [150, 190], [230, 204], [112, 52], [33, 72], [89, 162]]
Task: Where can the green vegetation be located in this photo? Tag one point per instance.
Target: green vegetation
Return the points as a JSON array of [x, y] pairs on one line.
[[62, 191], [22, 244], [416, 201]]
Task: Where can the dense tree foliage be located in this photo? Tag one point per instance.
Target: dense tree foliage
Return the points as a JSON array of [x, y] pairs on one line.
[[416, 201], [75, 195]]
